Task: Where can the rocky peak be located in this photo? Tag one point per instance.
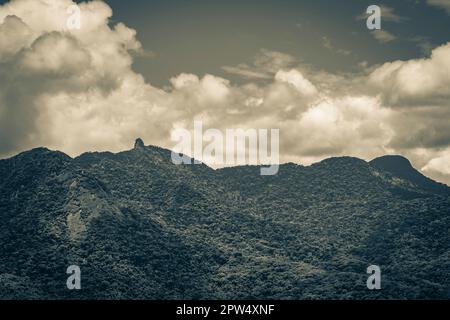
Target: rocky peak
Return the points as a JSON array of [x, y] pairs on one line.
[[139, 143]]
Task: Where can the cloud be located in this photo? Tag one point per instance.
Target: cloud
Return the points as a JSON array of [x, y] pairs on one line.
[[423, 127], [383, 36], [350, 125], [415, 82], [439, 166], [433, 163], [75, 91], [297, 80], [54, 54], [443, 4], [265, 64], [272, 61], [387, 14], [13, 35], [326, 43], [41, 60], [246, 72], [418, 92]]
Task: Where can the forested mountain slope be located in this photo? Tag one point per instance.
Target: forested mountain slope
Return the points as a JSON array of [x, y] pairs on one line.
[[141, 227]]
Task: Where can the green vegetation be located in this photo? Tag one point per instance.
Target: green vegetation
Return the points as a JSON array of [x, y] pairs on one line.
[[140, 227]]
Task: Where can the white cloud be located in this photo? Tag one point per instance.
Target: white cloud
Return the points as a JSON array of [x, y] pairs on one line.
[[415, 81], [296, 79], [14, 34], [440, 164], [47, 15], [184, 80], [55, 53], [75, 90], [43, 60], [351, 125]]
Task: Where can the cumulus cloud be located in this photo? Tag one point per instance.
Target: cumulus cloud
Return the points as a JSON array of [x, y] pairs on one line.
[[297, 80], [78, 92], [350, 125], [41, 60], [13, 35], [75, 90], [439, 164], [420, 81], [54, 54]]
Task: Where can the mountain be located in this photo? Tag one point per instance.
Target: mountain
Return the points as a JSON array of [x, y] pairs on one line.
[[400, 167], [140, 227]]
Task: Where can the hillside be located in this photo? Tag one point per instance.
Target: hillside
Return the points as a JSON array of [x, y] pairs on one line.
[[141, 227]]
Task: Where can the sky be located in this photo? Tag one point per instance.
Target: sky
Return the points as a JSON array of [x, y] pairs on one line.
[[203, 36], [309, 68]]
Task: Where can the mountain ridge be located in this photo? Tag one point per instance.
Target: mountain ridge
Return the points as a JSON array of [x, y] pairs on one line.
[[385, 163], [166, 231]]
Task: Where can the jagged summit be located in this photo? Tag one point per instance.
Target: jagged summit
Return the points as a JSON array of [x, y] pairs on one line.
[[139, 143]]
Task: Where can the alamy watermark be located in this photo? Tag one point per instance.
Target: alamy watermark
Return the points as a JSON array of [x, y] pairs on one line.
[[74, 20], [74, 280], [374, 20], [234, 147], [374, 280]]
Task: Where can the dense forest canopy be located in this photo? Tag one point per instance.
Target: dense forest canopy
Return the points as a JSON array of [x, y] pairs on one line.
[[140, 227]]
